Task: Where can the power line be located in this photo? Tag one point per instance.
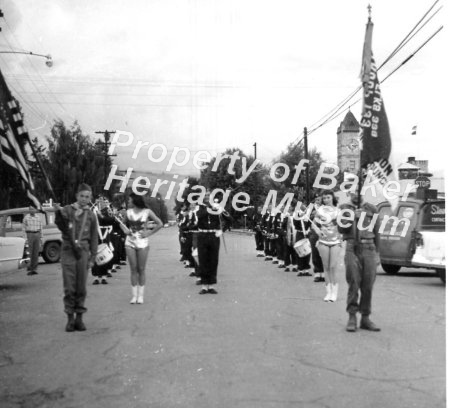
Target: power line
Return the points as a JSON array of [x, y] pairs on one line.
[[32, 82], [37, 72], [19, 96], [339, 109]]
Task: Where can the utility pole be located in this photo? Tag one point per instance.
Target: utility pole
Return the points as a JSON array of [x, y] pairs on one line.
[[305, 136], [254, 145], [105, 146]]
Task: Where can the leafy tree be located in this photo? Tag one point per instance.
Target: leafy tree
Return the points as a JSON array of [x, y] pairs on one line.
[[225, 176], [73, 158], [294, 154], [157, 205], [192, 181]]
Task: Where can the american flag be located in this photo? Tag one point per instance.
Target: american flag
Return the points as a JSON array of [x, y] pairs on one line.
[[12, 130]]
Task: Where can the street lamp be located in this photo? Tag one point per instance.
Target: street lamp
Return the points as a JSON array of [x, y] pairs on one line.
[[48, 62]]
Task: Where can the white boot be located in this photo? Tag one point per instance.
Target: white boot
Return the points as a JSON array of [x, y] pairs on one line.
[[328, 295], [134, 293], [140, 293], [334, 292]]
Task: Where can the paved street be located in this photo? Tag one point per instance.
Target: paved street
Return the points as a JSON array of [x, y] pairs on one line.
[[267, 340]]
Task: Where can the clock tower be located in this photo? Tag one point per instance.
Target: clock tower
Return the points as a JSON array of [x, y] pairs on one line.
[[348, 144]]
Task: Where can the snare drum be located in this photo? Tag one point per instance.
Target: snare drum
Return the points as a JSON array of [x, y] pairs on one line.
[[302, 247], [104, 254]]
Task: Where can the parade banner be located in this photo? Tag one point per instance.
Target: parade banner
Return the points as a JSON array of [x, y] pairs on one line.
[[376, 151], [12, 132]]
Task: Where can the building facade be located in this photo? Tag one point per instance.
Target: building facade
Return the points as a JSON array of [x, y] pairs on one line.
[[348, 149], [422, 164]]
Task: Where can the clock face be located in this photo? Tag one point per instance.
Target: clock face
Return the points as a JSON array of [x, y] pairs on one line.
[[353, 144]]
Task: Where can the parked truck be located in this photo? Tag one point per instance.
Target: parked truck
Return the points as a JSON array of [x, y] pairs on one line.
[[422, 244], [11, 226]]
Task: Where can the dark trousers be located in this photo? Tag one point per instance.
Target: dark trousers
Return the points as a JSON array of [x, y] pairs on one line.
[[186, 250], [259, 240], [118, 242], [290, 256], [279, 245], [181, 246], [315, 256], [208, 246], [74, 274], [360, 273], [34, 244], [269, 247], [303, 262]]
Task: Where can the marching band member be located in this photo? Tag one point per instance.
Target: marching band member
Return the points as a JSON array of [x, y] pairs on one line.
[[118, 241], [105, 227], [265, 228], [313, 238], [302, 226], [280, 238], [210, 229], [272, 235], [256, 220], [186, 226], [179, 218], [290, 256]]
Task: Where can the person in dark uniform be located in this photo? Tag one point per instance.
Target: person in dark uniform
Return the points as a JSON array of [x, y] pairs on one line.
[[361, 260], [265, 228], [211, 221], [118, 241], [106, 222], [302, 226], [280, 239], [272, 235], [290, 256], [313, 238], [259, 237], [187, 224], [179, 218]]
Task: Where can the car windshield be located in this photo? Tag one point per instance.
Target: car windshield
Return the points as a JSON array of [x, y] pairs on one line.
[[433, 216]]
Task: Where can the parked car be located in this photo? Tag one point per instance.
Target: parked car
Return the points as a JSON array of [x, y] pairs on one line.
[[11, 226], [13, 254], [423, 244]]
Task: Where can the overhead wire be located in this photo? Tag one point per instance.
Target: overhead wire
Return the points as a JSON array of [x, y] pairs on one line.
[[33, 82], [409, 36], [338, 109], [18, 94], [343, 105]]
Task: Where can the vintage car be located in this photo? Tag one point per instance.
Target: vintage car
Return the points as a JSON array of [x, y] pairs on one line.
[[421, 244], [13, 254], [11, 226]]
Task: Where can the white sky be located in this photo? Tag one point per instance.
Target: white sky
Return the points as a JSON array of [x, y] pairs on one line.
[[212, 74]]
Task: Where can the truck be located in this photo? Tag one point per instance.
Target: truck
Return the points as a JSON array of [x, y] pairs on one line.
[[11, 226], [421, 244]]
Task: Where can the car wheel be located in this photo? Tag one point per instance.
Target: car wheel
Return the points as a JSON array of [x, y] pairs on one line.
[[51, 252], [390, 269], [441, 274]]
